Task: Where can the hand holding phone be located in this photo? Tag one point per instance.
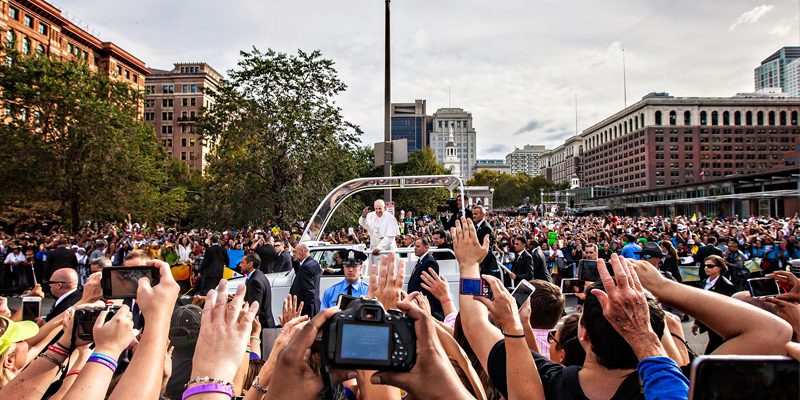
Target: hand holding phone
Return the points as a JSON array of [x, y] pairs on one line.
[[763, 287], [522, 292], [475, 287], [123, 282], [31, 308]]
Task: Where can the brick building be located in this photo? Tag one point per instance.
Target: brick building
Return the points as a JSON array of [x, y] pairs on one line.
[[173, 102], [664, 141], [37, 27]]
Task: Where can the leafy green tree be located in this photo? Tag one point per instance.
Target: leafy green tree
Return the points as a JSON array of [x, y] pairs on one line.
[[74, 137], [279, 142], [420, 201], [511, 189]]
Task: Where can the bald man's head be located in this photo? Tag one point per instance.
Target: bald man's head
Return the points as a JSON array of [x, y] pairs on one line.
[[63, 281], [300, 252]]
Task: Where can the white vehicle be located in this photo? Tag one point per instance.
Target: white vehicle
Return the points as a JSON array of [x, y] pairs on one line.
[[323, 252]]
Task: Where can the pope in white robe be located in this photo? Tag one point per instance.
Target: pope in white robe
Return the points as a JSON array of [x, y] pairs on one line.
[[381, 226]]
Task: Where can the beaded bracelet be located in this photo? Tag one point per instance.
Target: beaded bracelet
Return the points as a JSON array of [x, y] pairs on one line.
[[51, 359], [205, 379], [208, 388]]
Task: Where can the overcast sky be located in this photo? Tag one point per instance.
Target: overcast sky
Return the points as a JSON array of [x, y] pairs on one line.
[[516, 65]]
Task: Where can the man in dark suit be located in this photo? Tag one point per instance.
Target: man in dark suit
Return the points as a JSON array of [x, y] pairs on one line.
[[440, 240], [60, 257], [710, 249], [258, 289], [283, 262], [214, 262], [522, 268], [266, 251], [715, 269], [426, 261], [63, 285], [489, 264], [540, 269], [306, 280]]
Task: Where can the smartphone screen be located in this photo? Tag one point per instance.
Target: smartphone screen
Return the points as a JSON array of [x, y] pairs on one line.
[[471, 286], [344, 301], [745, 377], [31, 308], [763, 287], [587, 271], [123, 282], [522, 292], [571, 287]]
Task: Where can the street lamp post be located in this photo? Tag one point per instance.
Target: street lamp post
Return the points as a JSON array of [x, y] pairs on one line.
[[387, 105]]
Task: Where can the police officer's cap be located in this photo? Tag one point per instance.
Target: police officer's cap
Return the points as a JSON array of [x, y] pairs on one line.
[[352, 257]]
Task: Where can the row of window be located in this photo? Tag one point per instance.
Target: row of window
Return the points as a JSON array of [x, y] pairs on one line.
[[184, 142], [29, 21], [27, 44], [169, 89], [167, 103]]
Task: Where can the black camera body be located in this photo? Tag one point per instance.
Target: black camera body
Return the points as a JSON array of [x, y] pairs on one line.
[[451, 205], [85, 319], [365, 336]]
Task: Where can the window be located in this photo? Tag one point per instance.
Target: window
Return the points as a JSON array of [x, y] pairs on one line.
[[794, 118], [194, 88], [39, 50], [11, 39], [166, 116], [13, 13], [184, 102], [687, 118], [127, 74], [737, 118], [783, 118], [193, 102], [149, 116], [183, 155], [703, 118], [166, 128], [42, 28], [166, 102], [183, 142], [26, 45], [748, 116], [771, 118], [726, 118], [149, 103], [760, 118], [714, 118], [135, 78], [85, 55], [658, 118], [192, 142], [70, 48], [673, 118], [28, 21], [168, 89], [149, 89], [119, 70], [185, 88]]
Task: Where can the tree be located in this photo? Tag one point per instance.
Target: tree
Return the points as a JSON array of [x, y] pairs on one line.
[[511, 189], [75, 137], [421, 201], [279, 142]]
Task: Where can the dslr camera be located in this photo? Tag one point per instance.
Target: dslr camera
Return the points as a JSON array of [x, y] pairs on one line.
[[450, 205], [365, 336], [86, 317]]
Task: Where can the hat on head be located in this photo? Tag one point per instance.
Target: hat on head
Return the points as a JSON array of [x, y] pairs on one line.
[[352, 257], [651, 249], [184, 328], [690, 241], [16, 332]]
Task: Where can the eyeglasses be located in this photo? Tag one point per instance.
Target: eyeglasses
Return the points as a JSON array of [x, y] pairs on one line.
[[54, 282], [551, 337], [710, 265]]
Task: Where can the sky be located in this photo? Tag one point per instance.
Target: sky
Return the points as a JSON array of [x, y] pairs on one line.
[[516, 65]]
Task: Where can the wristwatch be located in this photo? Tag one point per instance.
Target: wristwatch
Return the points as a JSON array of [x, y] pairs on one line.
[[257, 386]]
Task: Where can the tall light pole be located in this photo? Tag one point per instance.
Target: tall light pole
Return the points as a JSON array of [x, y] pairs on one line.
[[387, 106]]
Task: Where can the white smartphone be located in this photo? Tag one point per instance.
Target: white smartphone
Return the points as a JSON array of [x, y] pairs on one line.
[[522, 292], [31, 308]]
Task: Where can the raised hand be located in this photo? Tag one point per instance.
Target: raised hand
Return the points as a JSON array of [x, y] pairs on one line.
[[465, 244], [436, 284], [291, 309], [116, 335], [502, 307], [389, 285]]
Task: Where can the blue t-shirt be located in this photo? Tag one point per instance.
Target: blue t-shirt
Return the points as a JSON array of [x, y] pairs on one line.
[[662, 379], [630, 250]]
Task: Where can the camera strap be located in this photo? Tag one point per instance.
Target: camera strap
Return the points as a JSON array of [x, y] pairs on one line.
[[56, 386]]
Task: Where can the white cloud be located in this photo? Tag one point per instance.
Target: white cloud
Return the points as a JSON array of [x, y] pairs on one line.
[[781, 29], [752, 16]]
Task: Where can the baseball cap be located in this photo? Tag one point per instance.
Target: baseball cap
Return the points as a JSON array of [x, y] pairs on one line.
[[16, 332], [184, 328], [651, 249]]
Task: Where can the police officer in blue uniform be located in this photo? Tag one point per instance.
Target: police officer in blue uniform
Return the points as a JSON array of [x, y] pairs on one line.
[[352, 285]]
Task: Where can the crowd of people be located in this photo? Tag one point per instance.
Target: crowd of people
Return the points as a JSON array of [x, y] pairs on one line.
[[625, 340]]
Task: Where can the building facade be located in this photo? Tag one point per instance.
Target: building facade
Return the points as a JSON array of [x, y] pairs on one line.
[[491, 165], [664, 141], [38, 28], [774, 72], [409, 121], [463, 137], [526, 159], [564, 163], [174, 100]]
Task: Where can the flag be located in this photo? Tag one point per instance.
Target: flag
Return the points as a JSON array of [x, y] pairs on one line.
[[703, 172]]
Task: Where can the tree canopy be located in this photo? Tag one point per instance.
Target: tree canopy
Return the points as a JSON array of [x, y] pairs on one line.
[[74, 139], [511, 189]]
